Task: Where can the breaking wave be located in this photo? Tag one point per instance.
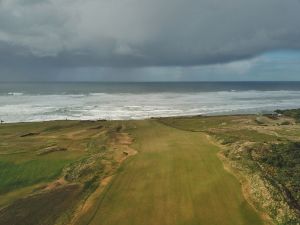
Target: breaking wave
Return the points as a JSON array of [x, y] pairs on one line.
[[19, 107]]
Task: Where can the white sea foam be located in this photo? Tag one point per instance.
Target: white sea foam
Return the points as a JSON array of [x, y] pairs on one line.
[[112, 106], [15, 93]]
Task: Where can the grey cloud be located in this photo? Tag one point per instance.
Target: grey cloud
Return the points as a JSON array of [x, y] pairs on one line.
[[141, 33]]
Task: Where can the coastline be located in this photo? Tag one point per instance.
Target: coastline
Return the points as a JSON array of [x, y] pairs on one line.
[[123, 101]]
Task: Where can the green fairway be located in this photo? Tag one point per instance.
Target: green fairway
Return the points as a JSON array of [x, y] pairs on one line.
[[15, 176], [175, 179]]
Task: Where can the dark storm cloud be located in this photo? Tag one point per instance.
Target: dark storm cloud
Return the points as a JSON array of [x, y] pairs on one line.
[[54, 34]]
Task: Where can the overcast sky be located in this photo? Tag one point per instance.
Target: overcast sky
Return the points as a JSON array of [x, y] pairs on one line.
[[146, 40]]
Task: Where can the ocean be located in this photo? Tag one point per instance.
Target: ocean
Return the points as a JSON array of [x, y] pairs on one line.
[[23, 102]]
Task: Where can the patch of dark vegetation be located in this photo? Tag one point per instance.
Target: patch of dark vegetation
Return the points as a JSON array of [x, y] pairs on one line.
[[278, 165], [29, 134], [273, 116], [87, 121], [294, 113], [41, 209], [282, 161], [119, 128]]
